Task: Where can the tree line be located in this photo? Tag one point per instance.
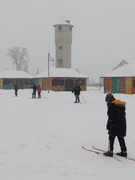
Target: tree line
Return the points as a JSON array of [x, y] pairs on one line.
[[20, 58]]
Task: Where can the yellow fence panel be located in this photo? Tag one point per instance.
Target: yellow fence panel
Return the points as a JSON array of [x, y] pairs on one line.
[[128, 85]]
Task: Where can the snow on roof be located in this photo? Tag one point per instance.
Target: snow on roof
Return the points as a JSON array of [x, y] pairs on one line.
[[64, 23], [126, 70], [121, 64], [61, 72], [14, 74]]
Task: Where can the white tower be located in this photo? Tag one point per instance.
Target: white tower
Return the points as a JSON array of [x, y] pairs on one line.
[[63, 41]]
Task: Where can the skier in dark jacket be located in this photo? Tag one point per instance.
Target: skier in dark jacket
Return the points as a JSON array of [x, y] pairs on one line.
[[116, 124], [34, 87], [76, 91], [16, 89]]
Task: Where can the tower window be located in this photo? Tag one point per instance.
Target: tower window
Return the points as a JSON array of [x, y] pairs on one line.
[[60, 62], [60, 47], [60, 27]]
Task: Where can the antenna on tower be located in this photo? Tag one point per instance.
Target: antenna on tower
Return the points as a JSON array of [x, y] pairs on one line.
[[68, 21]]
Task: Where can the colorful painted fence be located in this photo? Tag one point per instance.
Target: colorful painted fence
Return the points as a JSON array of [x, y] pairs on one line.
[[119, 85], [60, 84]]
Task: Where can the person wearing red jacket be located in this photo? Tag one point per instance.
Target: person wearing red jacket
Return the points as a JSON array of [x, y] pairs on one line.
[[39, 91]]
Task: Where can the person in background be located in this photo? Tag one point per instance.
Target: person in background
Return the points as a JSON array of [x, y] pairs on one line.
[[116, 124], [34, 87], [39, 91], [16, 89], [76, 91]]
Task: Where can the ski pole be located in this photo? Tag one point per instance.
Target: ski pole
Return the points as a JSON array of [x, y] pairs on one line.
[[83, 98], [44, 95]]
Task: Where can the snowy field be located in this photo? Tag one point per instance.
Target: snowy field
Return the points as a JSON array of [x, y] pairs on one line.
[[41, 139]]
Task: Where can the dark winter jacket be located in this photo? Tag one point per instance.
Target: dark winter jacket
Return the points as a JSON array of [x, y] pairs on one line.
[[116, 123], [34, 88], [15, 87], [76, 90]]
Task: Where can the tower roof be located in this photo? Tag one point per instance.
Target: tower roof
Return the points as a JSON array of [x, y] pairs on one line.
[[64, 23]]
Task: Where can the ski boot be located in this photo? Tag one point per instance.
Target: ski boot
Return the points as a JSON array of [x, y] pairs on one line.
[[108, 153], [123, 154]]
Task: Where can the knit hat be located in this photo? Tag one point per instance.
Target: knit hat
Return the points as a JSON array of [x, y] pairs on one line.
[[109, 97]]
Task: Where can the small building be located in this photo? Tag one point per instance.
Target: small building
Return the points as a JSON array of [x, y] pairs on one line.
[[60, 79], [120, 80], [9, 78]]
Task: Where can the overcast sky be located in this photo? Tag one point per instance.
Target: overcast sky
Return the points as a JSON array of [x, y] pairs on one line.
[[103, 33]]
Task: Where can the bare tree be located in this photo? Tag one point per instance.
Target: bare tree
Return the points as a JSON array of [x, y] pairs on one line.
[[19, 57]]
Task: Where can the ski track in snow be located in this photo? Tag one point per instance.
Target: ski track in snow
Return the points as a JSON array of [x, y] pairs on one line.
[[43, 138]]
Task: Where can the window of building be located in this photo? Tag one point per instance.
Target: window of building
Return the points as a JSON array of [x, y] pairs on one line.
[[57, 82], [60, 62], [8, 82], [134, 83], [60, 27], [60, 47]]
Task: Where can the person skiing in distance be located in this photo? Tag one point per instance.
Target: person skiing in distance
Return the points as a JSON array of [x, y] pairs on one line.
[[16, 89], [76, 91], [116, 124], [34, 87], [39, 91]]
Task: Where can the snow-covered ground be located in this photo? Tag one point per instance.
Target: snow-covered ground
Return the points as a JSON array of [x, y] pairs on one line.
[[41, 139]]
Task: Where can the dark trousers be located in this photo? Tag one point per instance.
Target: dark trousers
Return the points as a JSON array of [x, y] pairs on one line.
[[77, 98], [34, 94], [39, 94], [15, 92], [121, 143]]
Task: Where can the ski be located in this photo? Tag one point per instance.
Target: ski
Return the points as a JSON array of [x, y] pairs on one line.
[[97, 152], [129, 158], [98, 149]]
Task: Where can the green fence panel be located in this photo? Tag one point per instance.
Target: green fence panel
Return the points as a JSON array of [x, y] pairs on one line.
[[114, 85]]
